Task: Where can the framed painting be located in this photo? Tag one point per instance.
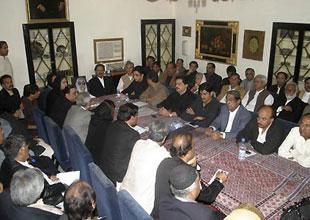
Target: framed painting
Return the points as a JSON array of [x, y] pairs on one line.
[[253, 45], [186, 31], [47, 11], [108, 50], [217, 41]]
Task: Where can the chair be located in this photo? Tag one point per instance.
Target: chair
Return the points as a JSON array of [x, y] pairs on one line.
[[106, 195], [57, 143], [79, 155], [287, 126], [38, 116], [129, 207]]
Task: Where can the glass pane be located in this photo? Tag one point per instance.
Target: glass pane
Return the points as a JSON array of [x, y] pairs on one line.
[[40, 51], [286, 49], [165, 44], [63, 52], [151, 40], [305, 61]]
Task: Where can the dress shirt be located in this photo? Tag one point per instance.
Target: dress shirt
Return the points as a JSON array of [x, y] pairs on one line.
[[223, 100], [280, 108], [5, 66], [120, 86], [101, 81], [251, 106], [296, 147], [261, 138], [278, 90], [231, 119], [306, 97], [26, 164]]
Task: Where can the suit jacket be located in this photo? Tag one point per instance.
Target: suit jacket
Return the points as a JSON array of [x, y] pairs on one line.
[[78, 119], [51, 98], [190, 79], [279, 99], [215, 80], [6, 100], [59, 110], [96, 89], [242, 117], [274, 136], [172, 208], [297, 107], [225, 89], [135, 89], [116, 151], [154, 95], [163, 80]]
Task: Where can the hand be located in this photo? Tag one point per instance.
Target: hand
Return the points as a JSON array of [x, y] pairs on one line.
[[41, 8], [222, 176], [215, 135], [190, 111], [199, 118], [164, 112], [209, 131], [54, 178], [287, 108], [192, 162], [1, 187]]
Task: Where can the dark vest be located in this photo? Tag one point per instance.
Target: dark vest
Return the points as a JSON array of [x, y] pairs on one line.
[[260, 99]]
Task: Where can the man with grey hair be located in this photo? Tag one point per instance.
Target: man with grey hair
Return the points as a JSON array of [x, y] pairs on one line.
[[292, 106], [78, 116], [259, 96], [185, 187], [146, 156]]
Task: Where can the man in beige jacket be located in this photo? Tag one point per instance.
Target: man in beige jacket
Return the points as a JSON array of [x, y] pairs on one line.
[[234, 79]]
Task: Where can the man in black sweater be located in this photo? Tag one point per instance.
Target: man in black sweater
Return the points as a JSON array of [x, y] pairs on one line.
[[139, 85], [264, 132], [9, 95]]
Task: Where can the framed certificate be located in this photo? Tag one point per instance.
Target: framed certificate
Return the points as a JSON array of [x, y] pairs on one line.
[[108, 50]]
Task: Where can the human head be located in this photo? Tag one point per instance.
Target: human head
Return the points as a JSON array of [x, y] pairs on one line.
[[152, 78], [5, 129], [26, 187], [265, 116], [31, 91], [70, 93], [206, 92], [304, 127], [260, 82], [6, 82], [112, 104], [50, 78], [129, 66], [79, 201], [15, 147], [230, 69], [291, 90], [193, 66], [180, 84], [184, 182], [179, 63], [245, 212], [128, 113], [171, 68], [150, 60], [198, 78], [138, 73], [104, 111], [183, 147], [80, 84], [233, 100], [60, 82], [4, 49], [307, 84], [249, 74], [99, 70], [234, 79], [15, 108], [210, 68], [281, 78], [158, 131], [156, 67], [83, 99]]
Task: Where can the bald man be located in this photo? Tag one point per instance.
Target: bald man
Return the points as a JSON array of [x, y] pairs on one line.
[[264, 132]]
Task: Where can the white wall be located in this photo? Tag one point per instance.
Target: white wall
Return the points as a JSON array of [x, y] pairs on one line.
[[251, 14], [93, 19]]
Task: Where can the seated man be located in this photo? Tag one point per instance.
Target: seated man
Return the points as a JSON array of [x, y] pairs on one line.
[[157, 69], [145, 158], [62, 105], [23, 199], [248, 83], [150, 60], [29, 101], [156, 92], [305, 94], [8, 95], [264, 132], [278, 90], [204, 109], [78, 116], [190, 74], [138, 86], [126, 79], [119, 141], [178, 101], [183, 151], [199, 79], [234, 79], [254, 99], [232, 118], [185, 187], [168, 77], [180, 66], [213, 79], [292, 107], [296, 144], [79, 202], [229, 71], [100, 85]]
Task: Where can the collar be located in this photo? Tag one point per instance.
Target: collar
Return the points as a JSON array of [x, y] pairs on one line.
[[235, 110], [259, 91], [265, 129], [100, 78], [82, 107], [184, 200]]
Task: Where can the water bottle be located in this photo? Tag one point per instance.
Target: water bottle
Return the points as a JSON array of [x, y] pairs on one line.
[[242, 149]]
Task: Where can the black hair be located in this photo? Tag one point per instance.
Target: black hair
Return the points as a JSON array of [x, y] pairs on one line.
[[12, 144], [57, 82], [306, 79], [174, 65], [235, 94], [205, 87], [30, 89], [150, 57], [283, 73], [2, 43], [126, 111], [156, 63], [212, 64], [234, 74], [6, 76], [231, 69], [180, 60], [103, 112], [152, 76], [194, 62], [98, 65], [110, 102], [183, 78], [273, 112], [68, 88], [49, 78], [139, 69], [251, 69], [184, 146]]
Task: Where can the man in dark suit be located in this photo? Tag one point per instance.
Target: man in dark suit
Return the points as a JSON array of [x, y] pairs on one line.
[[8, 95], [190, 74], [139, 85], [185, 187], [213, 79], [229, 70], [292, 106], [119, 141], [278, 90], [232, 118], [100, 85], [264, 132]]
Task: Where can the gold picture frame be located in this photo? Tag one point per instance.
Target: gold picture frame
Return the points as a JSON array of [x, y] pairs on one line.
[[51, 11], [253, 45], [108, 50], [186, 31], [217, 41]]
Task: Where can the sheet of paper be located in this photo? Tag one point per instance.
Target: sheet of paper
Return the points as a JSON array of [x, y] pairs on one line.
[[140, 104], [214, 176], [250, 153], [140, 129], [68, 177]]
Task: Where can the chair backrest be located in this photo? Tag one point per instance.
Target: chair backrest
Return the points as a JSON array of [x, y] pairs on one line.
[[38, 116], [57, 143], [130, 208], [79, 155], [287, 126], [106, 195]]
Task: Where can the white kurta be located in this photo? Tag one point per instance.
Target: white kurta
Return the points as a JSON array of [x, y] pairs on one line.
[[5, 66]]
